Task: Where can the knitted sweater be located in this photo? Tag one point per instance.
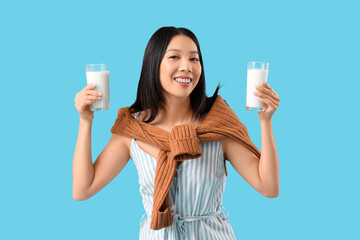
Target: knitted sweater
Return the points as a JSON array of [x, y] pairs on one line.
[[180, 145]]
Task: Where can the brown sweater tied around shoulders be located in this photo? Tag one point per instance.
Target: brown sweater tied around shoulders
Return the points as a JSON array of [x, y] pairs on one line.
[[183, 143]]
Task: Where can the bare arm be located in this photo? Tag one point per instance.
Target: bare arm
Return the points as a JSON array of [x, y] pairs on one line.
[[262, 174], [269, 161], [89, 178], [83, 169]]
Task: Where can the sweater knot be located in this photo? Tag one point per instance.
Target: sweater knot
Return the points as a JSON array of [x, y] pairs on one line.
[[184, 143]]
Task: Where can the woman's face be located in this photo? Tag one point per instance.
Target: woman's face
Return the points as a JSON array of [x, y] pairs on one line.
[[180, 64]]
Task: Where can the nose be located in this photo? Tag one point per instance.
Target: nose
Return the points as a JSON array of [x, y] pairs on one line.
[[185, 65]]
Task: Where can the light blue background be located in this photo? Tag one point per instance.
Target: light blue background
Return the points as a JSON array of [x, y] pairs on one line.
[[313, 50]]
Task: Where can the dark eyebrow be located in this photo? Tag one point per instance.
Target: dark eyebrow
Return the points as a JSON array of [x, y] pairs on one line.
[[177, 50]]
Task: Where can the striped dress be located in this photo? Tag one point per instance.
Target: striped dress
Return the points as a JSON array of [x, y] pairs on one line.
[[195, 195]]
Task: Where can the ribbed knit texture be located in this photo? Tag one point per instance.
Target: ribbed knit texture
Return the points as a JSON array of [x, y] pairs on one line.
[[179, 145]]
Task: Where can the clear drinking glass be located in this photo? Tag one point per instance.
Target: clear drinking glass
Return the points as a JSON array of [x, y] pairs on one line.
[[99, 75], [257, 73]]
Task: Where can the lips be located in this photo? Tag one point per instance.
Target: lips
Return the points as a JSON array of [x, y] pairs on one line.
[[184, 77], [183, 84]]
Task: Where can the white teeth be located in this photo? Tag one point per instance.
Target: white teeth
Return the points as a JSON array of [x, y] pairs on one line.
[[183, 80]]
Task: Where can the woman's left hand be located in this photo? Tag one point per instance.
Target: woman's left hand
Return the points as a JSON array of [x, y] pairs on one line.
[[270, 99]]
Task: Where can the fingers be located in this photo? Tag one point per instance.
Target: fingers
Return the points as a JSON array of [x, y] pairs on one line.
[[269, 102], [88, 97], [273, 93], [87, 87], [90, 86], [87, 91], [85, 102], [268, 97], [265, 91]]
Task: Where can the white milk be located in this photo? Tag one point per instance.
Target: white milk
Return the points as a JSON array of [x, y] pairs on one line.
[[254, 78], [101, 79]]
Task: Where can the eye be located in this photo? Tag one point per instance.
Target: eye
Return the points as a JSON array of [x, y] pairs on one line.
[[194, 59], [173, 57]]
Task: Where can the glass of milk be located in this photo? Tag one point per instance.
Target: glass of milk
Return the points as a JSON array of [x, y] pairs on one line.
[[257, 73], [99, 74]]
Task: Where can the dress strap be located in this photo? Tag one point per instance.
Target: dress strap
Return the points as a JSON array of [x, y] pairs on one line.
[[137, 115]]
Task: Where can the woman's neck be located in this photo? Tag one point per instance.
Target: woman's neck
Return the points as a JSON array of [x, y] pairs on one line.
[[176, 112], [173, 114]]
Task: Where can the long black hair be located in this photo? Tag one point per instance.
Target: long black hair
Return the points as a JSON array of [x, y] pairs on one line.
[[150, 93]]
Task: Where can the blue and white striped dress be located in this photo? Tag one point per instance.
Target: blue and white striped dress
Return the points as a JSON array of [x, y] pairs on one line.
[[195, 195]]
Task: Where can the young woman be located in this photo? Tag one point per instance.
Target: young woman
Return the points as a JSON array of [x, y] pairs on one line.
[[171, 93]]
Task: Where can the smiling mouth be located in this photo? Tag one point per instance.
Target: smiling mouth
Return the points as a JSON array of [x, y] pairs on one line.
[[183, 80]]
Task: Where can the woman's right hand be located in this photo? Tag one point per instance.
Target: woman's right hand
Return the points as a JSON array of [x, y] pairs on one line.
[[83, 99]]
